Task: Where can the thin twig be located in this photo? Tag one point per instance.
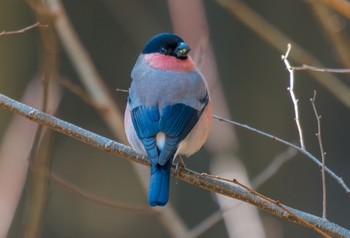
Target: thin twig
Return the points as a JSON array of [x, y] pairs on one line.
[[23, 30], [186, 175], [301, 150], [208, 222], [273, 167], [323, 155], [121, 90], [292, 94], [79, 92]]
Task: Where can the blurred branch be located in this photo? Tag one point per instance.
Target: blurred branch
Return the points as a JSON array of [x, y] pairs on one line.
[[273, 167], [130, 207], [278, 40], [102, 99], [37, 195], [341, 6], [323, 154], [308, 67], [334, 29], [86, 70], [15, 150], [186, 175], [192, 25], [23, 30], [301, 150], [79, 92], [38, 184]]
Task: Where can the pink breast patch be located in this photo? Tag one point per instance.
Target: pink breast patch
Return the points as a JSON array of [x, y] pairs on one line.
[[165, 62]]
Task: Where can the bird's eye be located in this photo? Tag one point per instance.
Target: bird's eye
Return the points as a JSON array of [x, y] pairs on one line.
[[163, 50]]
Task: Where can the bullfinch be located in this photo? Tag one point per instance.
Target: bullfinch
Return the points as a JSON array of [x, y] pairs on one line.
[[169, 112]]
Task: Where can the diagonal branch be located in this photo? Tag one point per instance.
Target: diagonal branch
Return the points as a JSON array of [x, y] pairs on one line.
[[300, 149], [186, 175]]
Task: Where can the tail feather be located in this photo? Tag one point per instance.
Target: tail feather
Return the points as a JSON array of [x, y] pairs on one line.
[[158, 193]]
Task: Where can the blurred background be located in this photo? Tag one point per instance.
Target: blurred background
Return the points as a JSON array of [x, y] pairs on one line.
[[254, 82]]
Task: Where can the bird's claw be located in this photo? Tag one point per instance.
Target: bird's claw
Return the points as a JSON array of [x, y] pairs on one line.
[[180, 164]]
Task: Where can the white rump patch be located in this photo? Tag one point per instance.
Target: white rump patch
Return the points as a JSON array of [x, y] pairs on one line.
[[160, 140]]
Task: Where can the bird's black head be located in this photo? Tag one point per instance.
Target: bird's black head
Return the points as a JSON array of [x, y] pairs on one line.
[[167, 44]]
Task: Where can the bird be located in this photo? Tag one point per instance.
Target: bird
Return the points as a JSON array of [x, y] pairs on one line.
[[168, 111]]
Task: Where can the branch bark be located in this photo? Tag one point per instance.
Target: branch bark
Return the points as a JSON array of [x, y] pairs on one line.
[[186, 175]]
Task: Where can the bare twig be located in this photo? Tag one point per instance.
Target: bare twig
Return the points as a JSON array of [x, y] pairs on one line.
[[121, 90], [301, 150], [186, 175], [23, 30], [323, 155], [292, 94]]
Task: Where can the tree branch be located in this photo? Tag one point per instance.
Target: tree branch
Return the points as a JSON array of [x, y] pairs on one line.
[[186, 175], [301, 150]]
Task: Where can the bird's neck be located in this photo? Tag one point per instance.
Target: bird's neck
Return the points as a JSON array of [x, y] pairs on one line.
[[165, 62]]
